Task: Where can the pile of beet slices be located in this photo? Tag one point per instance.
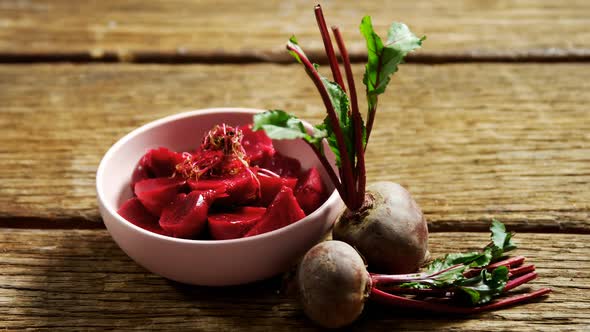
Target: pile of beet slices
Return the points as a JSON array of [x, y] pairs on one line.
[[234, 185]]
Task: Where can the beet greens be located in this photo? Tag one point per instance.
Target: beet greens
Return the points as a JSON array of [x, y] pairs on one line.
[[344, 128]]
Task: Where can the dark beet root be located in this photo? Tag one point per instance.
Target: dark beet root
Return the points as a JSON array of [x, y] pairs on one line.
[[284, 210], [133, 211], [333, 284], [233, 225], [186, 216], [310, 192], [156, 193], [390, 230]]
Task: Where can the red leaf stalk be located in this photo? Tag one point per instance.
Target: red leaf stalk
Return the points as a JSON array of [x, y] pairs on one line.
[[319, 15], [347, 177], [360, 179]]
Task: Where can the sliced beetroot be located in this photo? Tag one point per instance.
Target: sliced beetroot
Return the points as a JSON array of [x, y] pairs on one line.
[[257, 144], [311, 191], [237, 189], [156, 193], [134, 212], [233, 225], [156, 163], [283, 165], [186, 215], [283, 211], [271, 185]]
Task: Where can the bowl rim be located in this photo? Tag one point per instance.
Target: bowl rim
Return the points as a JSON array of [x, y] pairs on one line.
[[331, 200]]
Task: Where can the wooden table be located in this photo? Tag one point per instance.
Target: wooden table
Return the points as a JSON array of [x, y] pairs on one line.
[[489, 120]]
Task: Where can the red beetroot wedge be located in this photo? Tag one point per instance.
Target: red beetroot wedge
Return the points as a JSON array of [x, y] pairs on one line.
[[134, 212], [283, 165], [310, 191], [257, 144], [156, 163], [238, 189], [233, 225], [270, 185], [283, 211], [186, 216], [156, 193]]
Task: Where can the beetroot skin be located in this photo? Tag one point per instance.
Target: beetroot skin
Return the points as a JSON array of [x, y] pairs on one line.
[[333, 284], [390, 230]]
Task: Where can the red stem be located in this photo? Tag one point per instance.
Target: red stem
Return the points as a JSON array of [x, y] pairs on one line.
[[345, 162], [398, 278], [418, 291], [518, 271], [319, 15], [360, 175], [519, 281], [329, 170], [371, 119], [509, 262], [400, 301]]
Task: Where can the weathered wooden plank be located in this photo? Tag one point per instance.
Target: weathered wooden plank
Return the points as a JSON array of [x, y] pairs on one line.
[[471, 142], [75, 279], [224, 30]]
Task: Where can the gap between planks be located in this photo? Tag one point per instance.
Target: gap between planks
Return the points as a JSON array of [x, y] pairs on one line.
[[244, 57]]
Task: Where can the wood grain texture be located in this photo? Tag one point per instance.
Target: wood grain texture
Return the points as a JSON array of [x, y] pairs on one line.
[[471, 142], [222, 30], [79, 279]]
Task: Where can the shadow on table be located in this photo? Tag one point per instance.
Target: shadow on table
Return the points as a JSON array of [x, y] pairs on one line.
[[91, 284]]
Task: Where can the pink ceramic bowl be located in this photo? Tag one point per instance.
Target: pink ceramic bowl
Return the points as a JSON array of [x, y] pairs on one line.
[[200, 262]]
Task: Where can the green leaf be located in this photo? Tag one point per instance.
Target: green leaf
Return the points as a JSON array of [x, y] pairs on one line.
[[294, 44], [341, 104], [281, 125], [501, 238], [482, 288], [383, 59]]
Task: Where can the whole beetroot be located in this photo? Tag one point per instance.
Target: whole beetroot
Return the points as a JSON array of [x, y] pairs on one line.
[[389, 230], [333, 284]]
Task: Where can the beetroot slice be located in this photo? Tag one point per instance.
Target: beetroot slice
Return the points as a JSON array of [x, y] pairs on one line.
[[257, 144], [310, 191], [270, 187], [134, 212], [186, 216], [283, 165], [237, 190], [156, 163], [233, 225], [284, 210], [154, 194]]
